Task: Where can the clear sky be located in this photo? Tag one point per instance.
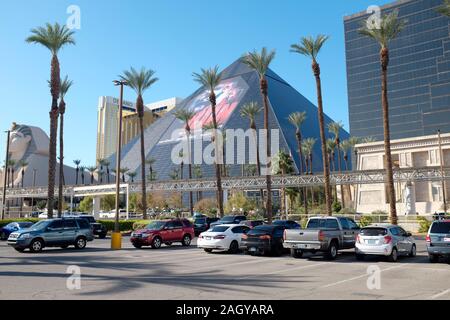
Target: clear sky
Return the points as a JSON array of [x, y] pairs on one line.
[[172, 37]]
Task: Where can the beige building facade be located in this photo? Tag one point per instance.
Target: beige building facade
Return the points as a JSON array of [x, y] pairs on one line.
[[420, 197]]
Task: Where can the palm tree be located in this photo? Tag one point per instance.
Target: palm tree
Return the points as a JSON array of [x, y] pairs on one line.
[[250, 111], [140, 81], [198, 174], [65, 86], [150, 161], [123, 171], [53, 37], [101, 163], [11, 165], [77, 169], [186, 116], [260, 63], [284, 166], [82, 168], [23, 164], [445, 8], [100, 173], [331, 146], [310, 47], [345, 147], [390, 27], [297, 119], [210, 79], [335, 128], [92, 170], [132, 175], [308, 147], [107, 163]]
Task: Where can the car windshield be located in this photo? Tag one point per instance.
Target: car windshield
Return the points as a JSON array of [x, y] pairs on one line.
[[260, 230], [11, 225], [440, 227], [155, 225], [25, 224], [227, 219], [322, 223], [373, 232], [41, 225], [200, 221], [218, 229], [280, 222]]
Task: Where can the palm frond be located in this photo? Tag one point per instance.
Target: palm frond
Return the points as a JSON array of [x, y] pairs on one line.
[[310, 46], [297, 118], [184, 115], [53, 37], [209, 78], [250, 110], [140, 80], [445, 8], [389, 28], [259, 61], [335, 128], [66, 84]]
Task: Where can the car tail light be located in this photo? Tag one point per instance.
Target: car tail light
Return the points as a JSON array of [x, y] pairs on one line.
[[321, 236], [428, 238], [244, 237], [387, 239], [220, 236], [265, 237]]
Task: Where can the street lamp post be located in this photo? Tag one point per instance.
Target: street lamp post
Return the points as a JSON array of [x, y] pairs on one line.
[[5, 174], [116, 239], [441, 161], [34, 185]]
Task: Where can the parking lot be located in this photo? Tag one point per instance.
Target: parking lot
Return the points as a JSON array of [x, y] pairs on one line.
[[177, 272]]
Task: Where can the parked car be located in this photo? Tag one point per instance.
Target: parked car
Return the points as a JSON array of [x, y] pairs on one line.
[[222, 237], [252, 223], [322, 234], [166, 231], [440, 216], [11, 227], [52, 233], [202, 224], [231, 219], [264, 239], [287, 224], [438, 240], [384, 240], [97, 228], [35, 214]]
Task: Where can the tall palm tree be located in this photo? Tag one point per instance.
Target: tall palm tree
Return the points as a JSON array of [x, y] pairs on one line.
[[310, 47], [82, 168], [297, 119], [65, 86], [77, 169], [390, 27], [283, 166], [260, 61], [123, 171], [186, 116], [335, 128], [250, 111], [132, 175], [107, 163], [53, 37], [92, 170], [11, 165], [210, 79], [331, 146], [308, 147], [140, 81], [445, 8], [345, 147], [150, 161]]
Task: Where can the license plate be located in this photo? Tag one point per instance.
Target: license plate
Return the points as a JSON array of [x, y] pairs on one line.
[[371, 241], [447, 239], [301, 246], [207, 238], [252, 249]]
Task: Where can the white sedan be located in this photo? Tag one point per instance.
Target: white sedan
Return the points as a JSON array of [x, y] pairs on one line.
[[224, 237]]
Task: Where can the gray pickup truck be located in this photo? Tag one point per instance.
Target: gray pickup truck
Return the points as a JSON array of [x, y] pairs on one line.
[[322, 234]]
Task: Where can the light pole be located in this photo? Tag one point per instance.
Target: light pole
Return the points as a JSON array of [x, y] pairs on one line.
[[34, 185], [441, 161], [116, 238], [5, 174]]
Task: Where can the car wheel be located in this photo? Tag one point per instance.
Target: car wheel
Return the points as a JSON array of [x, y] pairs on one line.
[[168, 243], [80, 243], [295, 253], [413, 251], [186, 240], [360, 257], [19, 249], [156, 243], [433, 258], [234, 247], [393, 257], [332, 251], [208, 250], [36, 245]]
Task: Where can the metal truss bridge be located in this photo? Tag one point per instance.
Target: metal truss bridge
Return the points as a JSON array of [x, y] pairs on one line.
[[242, 183]]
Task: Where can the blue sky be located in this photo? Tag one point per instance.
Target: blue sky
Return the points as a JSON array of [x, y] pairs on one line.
[[172, 37]]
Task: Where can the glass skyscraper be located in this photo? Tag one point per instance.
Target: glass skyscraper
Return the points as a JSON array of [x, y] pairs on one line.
[[419, 73]]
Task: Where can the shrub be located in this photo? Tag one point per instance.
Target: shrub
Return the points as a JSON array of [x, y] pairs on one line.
[[424, 224], [365, 221], [348, 211], [237, 202], [336, 206], [124, 225], [140, 224], [207, 206], [7, 221]]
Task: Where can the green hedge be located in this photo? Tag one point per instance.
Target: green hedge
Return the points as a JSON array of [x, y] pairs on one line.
[[424, 224], [7, 221], [124, 225]]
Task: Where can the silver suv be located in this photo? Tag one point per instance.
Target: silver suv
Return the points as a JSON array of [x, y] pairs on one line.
[[53, 233], [384, 240]]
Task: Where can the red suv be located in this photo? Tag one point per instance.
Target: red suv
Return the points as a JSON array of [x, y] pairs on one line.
[[168, 231]]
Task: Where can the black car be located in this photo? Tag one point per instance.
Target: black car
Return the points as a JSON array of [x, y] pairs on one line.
[[252, 223], [265, 239], [97, 228], [288, 224], [202, 224], [232, 219]]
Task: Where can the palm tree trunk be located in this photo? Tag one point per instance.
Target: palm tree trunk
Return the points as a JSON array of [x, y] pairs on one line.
[[258, 161], [300, 152], [212, 99], [107, 173], [143, 185], [76, 175], [338, 146], [61, 162], [311, 172], [264, 89], [326, 170], [387, 139], [191, 196]]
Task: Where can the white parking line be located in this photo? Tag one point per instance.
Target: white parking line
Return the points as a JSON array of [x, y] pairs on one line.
[[282, 271], [443, 293], [358, 277]]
